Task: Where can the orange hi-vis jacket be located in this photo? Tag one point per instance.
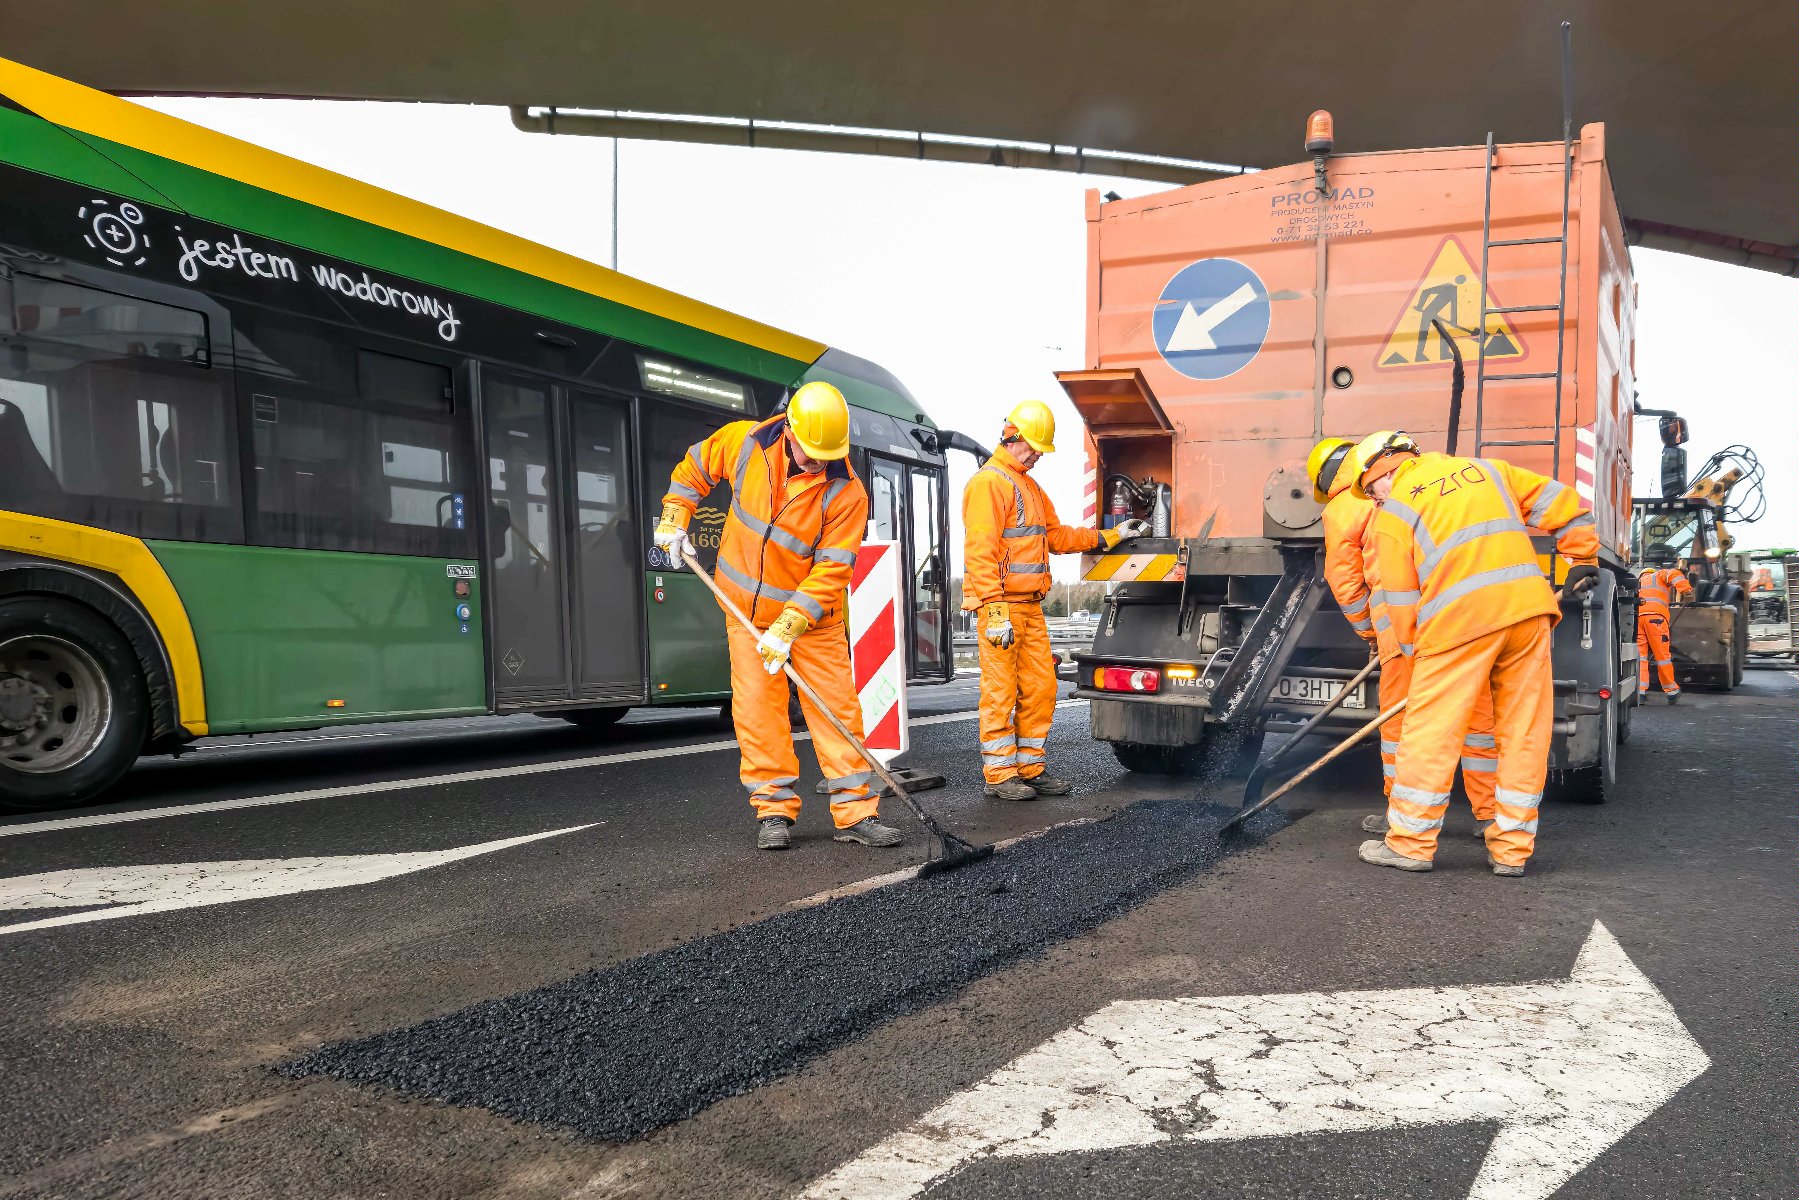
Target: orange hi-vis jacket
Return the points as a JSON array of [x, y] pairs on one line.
[[1656, 589], [1349, 568], [1453, 550], [1009, 530], [791, 538]]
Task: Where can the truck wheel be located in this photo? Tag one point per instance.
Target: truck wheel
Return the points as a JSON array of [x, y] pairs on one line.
[[73, 706], [1594, 784], [1190, 759], [1739, 649], [1159, 760]]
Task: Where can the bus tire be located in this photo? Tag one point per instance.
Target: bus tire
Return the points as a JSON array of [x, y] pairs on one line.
[[594, 718], [74, 710]]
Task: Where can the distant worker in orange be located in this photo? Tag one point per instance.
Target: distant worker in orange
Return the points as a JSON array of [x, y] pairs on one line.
[[1655, 588], [1468, 601], [786, 556], [1349, 569], [1009, 531]]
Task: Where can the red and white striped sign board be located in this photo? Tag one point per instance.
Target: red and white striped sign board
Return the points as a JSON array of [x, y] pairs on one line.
[[1584, 465], [877, 648]]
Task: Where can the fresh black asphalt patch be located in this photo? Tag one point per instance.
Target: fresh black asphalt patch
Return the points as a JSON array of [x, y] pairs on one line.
[[616, 1053]]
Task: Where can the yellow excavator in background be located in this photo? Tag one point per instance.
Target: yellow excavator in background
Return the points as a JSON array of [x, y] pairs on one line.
[[1685, 527]]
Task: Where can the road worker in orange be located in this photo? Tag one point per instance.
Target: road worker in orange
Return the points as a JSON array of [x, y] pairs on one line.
[[1469, 603], [786, 556], [1009, 531], [1656, 588], [1349, 570]]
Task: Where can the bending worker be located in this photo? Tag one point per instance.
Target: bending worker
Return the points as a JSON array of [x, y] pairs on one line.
[[1655, 625], [1349, 569], [1009, 531], [1469, 603], [786, 556]]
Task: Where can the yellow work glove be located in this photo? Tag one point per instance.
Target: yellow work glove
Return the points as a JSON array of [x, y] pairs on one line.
[[1124, 531], [671, 532], [776, 642], [997, 628]]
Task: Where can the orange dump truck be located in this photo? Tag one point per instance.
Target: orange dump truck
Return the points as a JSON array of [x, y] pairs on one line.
[[1232, 324]]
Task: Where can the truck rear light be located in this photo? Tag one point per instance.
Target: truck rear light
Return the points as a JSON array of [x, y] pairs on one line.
[[1126, 679], [1181, 672], [1605, 693]]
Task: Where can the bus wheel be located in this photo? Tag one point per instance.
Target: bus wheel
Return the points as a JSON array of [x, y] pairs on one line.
[[73, 706], [594, 718]]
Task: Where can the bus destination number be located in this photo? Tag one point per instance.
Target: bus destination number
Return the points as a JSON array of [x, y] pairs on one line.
[[460, 570]]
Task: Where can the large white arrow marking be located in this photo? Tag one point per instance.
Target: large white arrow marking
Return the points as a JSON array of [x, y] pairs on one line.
[[1566, 1069], [1194, 329], [131, 891]]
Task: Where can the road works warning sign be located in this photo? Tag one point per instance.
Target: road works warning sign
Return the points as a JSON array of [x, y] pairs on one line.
[[1449, 291]]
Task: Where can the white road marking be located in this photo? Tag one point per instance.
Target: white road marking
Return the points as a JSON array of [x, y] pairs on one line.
[[166, 887], [1193, 331], [1565, 1068], [400, 785]]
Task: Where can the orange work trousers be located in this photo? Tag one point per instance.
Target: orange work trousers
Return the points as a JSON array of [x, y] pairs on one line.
[[1514, 664], [1480, 754], [769, 767], [1018, 697], [1655, 647]]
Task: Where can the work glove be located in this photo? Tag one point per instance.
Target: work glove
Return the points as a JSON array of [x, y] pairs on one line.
[[997, 628], [1124, 531], [1572, 584], [671, 533], [776, 642]]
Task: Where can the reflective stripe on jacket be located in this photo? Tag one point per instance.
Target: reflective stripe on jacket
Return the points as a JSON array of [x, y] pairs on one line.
[[791, 538], [1656, 589], [1349, 569], [1453, 549], [1009, 530]]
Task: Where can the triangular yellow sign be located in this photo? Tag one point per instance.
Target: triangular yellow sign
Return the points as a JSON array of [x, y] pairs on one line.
[[1449, 292]]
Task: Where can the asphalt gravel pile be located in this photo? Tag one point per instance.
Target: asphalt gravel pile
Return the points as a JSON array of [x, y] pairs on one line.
[[616, 1053]]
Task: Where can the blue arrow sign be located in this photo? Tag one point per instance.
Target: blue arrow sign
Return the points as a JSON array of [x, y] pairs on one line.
[[1212, 318]]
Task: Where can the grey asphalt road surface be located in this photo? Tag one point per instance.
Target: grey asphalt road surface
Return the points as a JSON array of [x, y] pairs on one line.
[[515, 903]]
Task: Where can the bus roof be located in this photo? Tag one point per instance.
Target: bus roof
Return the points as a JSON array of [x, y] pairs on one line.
[[60, 128]]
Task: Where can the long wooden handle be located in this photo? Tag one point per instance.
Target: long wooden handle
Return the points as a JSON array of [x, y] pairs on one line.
[[1339, 748], [805, 688]]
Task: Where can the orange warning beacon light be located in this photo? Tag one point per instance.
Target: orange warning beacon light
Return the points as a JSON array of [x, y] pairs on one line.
[[1321, 133], [1321, 138]]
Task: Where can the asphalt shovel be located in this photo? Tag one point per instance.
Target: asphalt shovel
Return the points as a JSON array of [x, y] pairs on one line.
[[952, 851]]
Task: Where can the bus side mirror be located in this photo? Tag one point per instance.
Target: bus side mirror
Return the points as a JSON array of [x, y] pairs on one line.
[[1674, 471]]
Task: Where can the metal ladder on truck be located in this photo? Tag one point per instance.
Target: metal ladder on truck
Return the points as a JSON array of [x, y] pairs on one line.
[[1559, 308]]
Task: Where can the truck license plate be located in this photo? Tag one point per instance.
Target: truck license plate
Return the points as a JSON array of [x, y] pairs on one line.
[[1309, 689]]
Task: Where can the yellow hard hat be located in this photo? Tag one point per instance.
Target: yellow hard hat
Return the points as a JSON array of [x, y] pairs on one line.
[[1324, 467], [1377, 455], [819, 419], [1035, 424]]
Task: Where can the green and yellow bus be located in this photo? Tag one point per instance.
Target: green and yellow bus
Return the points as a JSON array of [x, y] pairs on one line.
[[281, 450]]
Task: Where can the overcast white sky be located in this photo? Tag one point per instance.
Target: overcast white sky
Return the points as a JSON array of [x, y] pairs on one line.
[[968, 282]]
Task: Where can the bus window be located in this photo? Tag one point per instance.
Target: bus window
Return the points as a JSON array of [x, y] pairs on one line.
[[110, 415], [885, 506], [351, 449], [667, 434], [927, 573]]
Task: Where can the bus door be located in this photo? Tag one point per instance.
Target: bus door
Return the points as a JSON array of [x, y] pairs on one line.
[[906, 504], [564, 620]]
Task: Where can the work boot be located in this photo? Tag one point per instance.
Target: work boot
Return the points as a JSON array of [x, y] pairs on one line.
[[870, 832], [1673, 697], [1011, 789], [1480, 829], [1500, 868], [1375, 823], [771, 833], [1048, 785], [1382, 855]]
